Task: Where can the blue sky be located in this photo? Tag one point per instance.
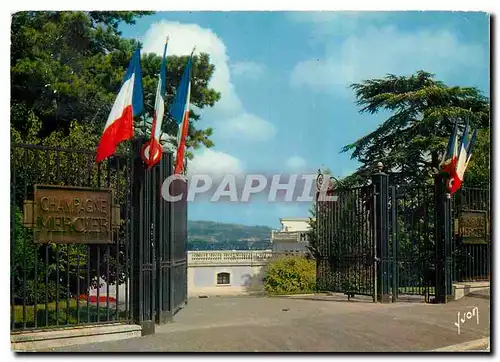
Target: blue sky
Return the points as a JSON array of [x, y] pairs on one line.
[[283, 77]]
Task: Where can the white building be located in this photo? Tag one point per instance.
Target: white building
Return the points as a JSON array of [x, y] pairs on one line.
[[225, 272], [293, 235]]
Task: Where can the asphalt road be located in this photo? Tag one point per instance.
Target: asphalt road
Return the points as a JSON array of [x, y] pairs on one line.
[[321, 324]]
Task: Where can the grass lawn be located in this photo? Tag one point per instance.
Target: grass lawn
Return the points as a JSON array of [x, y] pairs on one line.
[[68, 314]]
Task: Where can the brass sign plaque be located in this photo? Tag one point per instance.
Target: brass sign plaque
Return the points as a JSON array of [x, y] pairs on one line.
[[473, 227], [68, 215]]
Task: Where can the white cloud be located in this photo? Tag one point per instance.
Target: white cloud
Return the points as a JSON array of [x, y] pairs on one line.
[[379, 51], [247, 69], [296, 163], [247, 126], [183, 37], [214, 163]]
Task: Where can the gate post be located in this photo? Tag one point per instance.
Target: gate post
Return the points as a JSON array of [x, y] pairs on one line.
[[163, 244], [381, 231], [141, 306], [443, 242]]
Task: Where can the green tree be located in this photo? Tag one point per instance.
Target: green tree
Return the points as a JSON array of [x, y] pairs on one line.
[[290, 274], [410, 143], [422, 113], [66, 67], [478, 171]]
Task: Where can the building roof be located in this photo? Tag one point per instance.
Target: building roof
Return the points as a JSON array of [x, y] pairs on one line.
[[294, 219]]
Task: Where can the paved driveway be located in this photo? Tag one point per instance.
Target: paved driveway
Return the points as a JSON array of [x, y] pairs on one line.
[[321, 324]]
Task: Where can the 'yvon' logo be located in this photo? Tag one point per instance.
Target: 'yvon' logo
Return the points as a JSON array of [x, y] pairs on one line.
[[466, 316]]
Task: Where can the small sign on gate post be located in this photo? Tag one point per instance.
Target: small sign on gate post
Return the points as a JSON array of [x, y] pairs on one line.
[[473, 227]]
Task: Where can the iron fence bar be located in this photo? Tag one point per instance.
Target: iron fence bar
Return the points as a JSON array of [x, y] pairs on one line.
[[89, 284], [25, 194], [146, 243], [89, 170], [108, 184], [58, 165], [374, 243], [118, 243], [46, 284], [131, 237], [108, 280], [426, 240], [37, 250], [351, 247], [365, 226], [99, 170], [13, 237], [158, 176], [57, 284], [394, 224], [416, 220], [336, 268], [340, 241], [67, 282], [78, 288], [141, 251], [98, 276], [35, 309]]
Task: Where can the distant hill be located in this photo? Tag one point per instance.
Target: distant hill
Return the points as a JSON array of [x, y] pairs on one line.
[[210, 235]]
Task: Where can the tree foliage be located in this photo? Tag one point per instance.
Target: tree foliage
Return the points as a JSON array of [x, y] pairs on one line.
[[422, 113], [478, 173], [410, 143], [66, 68], [290, 274]]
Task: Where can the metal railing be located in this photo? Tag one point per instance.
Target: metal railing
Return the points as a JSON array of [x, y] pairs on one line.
[[227, 257], [51, 282], [290, 236]]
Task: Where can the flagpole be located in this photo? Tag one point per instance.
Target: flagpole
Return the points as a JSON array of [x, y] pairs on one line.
[[143, 115], [166, 113]]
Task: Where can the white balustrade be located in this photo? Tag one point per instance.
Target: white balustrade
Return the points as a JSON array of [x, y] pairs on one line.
[[227, 257]]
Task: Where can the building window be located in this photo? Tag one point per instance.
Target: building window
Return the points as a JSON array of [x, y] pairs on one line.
[[223, 278]]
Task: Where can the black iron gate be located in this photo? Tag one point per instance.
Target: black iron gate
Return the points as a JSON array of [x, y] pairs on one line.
[[394, 240], [346, 242], [141, 277], [412, 241], [50, 283]]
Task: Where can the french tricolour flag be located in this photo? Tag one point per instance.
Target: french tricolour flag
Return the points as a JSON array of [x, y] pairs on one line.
[[128, 103], [449, 162], [180, 113], [455, 181], [152, 151]]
